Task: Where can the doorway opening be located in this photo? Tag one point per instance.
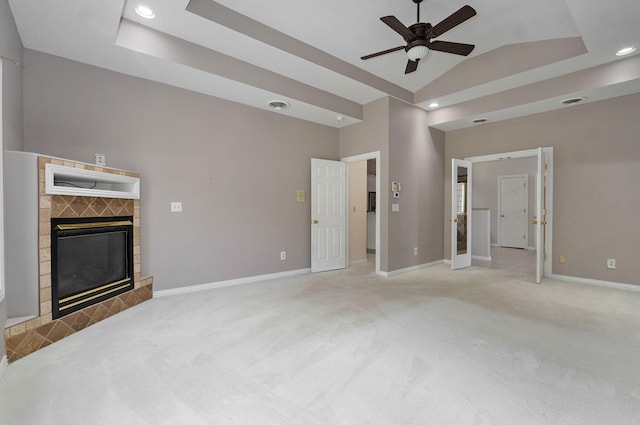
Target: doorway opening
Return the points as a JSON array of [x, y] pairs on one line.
[[363, 191], [535, 257]]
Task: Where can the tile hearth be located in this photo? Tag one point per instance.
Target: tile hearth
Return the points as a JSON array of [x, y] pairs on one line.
[[32, 340]]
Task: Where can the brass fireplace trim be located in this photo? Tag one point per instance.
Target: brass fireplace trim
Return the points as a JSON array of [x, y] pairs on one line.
[[100, 288], [84, 300], [92, 225]]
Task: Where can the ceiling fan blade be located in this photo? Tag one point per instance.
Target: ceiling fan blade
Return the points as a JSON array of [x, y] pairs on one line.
[[411, 66], [449, 47], [455, 19], [384, 52], [398, 27]]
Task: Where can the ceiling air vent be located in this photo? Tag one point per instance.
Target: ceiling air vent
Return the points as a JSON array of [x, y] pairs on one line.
[[573, 100], [278, 105], [479, 120]]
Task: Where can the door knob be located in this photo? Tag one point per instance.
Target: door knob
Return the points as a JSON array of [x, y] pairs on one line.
[[453, 220], [315, 221], [534, 222]]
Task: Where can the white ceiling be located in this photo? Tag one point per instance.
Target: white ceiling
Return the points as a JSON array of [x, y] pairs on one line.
[[308, 53]]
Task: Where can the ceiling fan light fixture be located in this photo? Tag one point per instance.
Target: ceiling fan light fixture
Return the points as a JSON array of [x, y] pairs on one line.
[[417, 52]]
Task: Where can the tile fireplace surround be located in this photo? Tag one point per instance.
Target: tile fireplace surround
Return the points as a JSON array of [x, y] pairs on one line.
[[29, 336]]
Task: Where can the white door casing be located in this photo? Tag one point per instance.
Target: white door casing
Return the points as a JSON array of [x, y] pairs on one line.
[[363, 157], [461, 203], [1, 197], [544, 201], [541, 213], [328, 215], [513, 211]]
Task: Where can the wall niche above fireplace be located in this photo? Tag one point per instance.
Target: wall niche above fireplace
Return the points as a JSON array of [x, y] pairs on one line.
[[72, 181]]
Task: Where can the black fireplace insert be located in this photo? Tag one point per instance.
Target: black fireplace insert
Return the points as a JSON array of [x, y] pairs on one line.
[[91, 261]]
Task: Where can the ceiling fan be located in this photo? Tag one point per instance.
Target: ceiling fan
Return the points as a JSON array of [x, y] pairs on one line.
[[418, 37]]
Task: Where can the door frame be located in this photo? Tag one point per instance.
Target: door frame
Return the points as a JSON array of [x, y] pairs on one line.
[[2, 271], [460, 261], [548, 156], [357, 158], [526, 202]]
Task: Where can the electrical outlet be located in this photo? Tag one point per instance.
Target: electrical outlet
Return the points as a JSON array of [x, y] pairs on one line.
[[611, 263], [101, 159], [283, 255], [415, 251], [176, 207]]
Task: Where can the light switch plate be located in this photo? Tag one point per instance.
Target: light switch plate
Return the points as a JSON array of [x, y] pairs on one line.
[[395, 207]]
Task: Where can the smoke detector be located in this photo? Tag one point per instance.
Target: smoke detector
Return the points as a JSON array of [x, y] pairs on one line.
[[278, 105], [573, 100]]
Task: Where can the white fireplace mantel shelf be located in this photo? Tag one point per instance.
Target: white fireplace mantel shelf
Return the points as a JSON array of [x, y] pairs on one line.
[[63, 180]]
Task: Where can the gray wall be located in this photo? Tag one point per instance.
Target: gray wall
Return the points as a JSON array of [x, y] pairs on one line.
[[413, 155], [596, 175], [11, 47], [485, 189], [371, 135], [236, 169], [416, 160]]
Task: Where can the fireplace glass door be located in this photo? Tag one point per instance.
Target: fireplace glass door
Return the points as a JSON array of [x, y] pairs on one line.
[[92, 260]]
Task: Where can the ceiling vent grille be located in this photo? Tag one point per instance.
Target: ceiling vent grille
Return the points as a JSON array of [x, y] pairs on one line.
[[278, 105], [573, 100]]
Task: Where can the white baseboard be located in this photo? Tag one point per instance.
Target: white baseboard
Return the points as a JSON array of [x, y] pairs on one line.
[[223, 283], [446, 261], [411, 269], [3, 365], [480, 257], [15, 320], [356, 262], [625, 286], [532, 248]]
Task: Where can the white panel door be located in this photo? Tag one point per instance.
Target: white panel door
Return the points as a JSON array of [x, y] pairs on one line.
[[541, 215], [328, 215], [460, 213], [513, 214]]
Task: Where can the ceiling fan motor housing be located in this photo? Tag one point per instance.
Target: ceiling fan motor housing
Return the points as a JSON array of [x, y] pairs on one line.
[[418, 47]]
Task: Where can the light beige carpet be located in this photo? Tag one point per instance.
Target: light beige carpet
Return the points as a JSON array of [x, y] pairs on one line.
[[476, 346]]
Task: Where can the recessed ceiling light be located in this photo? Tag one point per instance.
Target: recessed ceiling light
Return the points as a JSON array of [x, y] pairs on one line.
[[434, 105], [278, 105], [573, 100], [145, 12], [625, 51], [479, 120]]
